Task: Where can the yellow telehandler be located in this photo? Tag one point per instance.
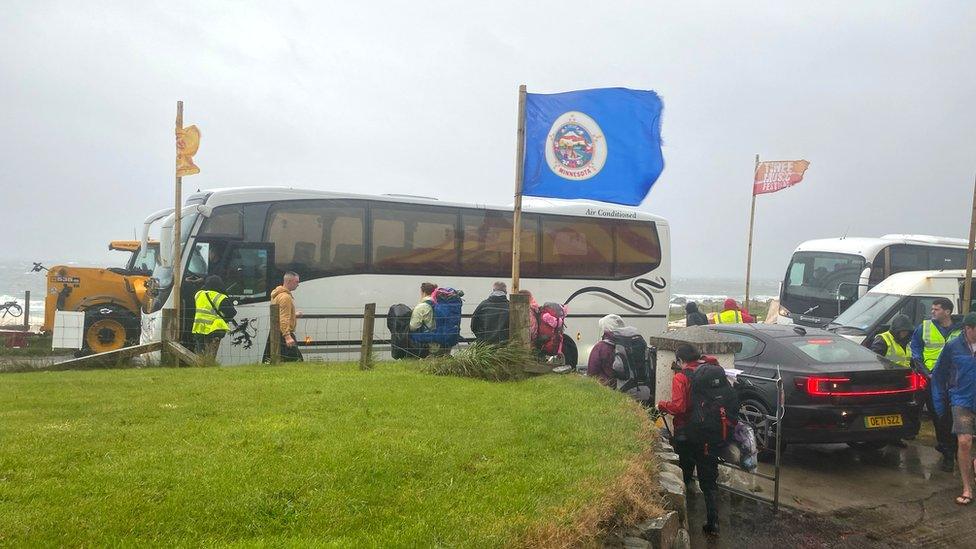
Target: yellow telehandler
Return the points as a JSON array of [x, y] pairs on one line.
[[110, 297]]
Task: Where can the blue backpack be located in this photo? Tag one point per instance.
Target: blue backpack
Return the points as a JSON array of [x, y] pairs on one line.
[[447, 319]]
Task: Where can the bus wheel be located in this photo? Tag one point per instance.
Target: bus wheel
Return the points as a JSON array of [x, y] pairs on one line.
[[108, 329], [570, 354]]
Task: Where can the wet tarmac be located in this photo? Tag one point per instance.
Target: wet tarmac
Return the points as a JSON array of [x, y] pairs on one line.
[[835, 496]]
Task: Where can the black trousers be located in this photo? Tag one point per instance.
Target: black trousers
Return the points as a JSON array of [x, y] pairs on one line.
[[692, 457], [288, 354], [945, 441]]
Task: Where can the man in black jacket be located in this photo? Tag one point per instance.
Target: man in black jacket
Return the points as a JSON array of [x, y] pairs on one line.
[[489, 322], [694, 316]]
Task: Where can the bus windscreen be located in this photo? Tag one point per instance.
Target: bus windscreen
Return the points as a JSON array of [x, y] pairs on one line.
[[814, 280]]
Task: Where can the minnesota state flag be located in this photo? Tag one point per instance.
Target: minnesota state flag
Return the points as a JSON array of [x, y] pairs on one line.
[[602, 144]]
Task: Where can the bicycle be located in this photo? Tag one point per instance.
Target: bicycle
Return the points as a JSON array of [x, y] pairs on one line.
[[11, 308]]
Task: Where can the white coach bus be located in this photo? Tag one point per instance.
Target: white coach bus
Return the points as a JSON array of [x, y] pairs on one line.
[[826, 276], [350, 250]]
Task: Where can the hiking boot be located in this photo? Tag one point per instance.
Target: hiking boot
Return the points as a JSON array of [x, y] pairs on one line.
[[711, 529]]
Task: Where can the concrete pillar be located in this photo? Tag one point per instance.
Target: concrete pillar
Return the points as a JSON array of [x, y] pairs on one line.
[[707, 341]]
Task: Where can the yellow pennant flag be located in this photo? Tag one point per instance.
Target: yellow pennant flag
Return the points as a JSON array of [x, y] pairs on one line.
[[187, 143]]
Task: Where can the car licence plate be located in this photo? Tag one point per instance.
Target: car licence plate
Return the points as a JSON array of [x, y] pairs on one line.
[[874, 422]]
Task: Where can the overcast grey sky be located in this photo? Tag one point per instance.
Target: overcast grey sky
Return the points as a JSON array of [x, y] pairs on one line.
[[420, 97]]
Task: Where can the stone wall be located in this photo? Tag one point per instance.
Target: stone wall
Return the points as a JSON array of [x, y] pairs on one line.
[[670, 530]]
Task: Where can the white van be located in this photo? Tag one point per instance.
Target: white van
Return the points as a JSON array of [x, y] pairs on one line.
[[911, 293]]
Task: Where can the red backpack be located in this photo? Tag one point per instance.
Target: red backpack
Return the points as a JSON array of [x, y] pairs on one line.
[[551, 321]]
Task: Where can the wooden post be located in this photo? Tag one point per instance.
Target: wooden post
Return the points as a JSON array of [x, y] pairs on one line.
[[166, 335], [177, 238], [518, 320], [519, 169], [366, 351], [27, 311], [967, 293], [186, 356], [752, 220], [274, 339]]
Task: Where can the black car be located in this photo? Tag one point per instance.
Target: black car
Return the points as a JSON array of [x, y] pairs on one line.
[[835, 390]]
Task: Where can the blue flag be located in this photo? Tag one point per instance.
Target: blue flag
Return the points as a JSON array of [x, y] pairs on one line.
[[602, 144]]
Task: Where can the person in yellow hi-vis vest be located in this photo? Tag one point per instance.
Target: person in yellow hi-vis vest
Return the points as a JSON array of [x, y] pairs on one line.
[[213, 310], [927, 343], [894, 344], [731, 314]]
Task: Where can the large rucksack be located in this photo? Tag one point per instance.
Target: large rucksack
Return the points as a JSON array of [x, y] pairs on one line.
[[714, 405], [398, 322], [447, 319], [551, 321], [631, 366]]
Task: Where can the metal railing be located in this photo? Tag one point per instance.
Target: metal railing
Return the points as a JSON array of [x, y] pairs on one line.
[[773, 422]]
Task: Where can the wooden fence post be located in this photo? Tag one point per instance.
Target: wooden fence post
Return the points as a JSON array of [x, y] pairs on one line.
[[518, 320], [27, 311], [274, 339], [166, 357], [366, 351]]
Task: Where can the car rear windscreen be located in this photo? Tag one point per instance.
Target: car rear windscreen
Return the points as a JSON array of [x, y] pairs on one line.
[[831, 350]]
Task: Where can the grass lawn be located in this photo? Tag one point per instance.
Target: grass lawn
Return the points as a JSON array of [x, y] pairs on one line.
[[302, 455]]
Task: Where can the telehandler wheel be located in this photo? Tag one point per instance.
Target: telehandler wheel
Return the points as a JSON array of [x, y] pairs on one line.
[[108, 328]]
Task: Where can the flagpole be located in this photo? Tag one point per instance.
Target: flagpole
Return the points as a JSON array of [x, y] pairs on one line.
[[177, 237], [517, 214], [752, 220], [968, 287]]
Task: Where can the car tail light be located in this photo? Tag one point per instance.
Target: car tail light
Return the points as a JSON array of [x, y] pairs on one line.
[[918, 381], [821, 386]]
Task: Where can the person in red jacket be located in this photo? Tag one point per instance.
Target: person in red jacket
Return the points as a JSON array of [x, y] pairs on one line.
[[692, 455]]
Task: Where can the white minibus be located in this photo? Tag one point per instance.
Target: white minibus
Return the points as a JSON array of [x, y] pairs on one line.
[[826, 276]]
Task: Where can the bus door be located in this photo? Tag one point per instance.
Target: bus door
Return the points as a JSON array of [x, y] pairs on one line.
[[246, 269]]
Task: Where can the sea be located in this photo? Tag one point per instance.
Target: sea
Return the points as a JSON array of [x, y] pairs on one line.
[[698, 289], [16, 277]]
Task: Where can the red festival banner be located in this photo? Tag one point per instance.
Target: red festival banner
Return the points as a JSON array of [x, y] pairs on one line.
[[778, 175]]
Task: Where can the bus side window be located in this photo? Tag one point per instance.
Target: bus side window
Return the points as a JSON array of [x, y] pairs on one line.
[[577, 247], [224, 221], [409, 239], [638, 249], [908, 258], [877, 271], [947, 258], [486, 246], [318, 237]]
